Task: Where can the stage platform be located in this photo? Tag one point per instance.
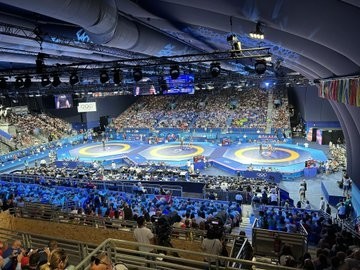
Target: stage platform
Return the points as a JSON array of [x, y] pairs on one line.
[[284, 158], [332, 193]]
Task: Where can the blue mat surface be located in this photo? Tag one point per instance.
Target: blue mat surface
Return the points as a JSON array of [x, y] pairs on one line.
[[287, 158]]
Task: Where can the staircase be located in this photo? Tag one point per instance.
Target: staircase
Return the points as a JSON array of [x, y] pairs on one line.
[[245, 225]]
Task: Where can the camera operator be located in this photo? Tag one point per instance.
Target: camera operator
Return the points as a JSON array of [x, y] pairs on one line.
[[211, 245], [163, 229], [213, 242]]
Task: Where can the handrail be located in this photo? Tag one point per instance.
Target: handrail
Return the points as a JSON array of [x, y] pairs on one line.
[[302, 232], [53, 214], [123, 184], [110, 246]]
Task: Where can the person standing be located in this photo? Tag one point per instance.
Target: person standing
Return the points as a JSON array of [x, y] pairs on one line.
[[143, 234], [328, 209], [103, 144], [322, 204], [346, 184], [302, 193]]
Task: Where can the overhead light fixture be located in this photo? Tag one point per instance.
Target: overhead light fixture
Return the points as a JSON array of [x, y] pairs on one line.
[[174, 72], [45, 81], [258, 33], [104, 77], [215, 69], [27, 82], [74, 79], [56, 80], [137, 73], [235, 45], [260, 66], [19, 82], [117, 76]]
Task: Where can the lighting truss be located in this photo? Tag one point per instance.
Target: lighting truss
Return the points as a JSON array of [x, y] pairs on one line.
[[256, 53]]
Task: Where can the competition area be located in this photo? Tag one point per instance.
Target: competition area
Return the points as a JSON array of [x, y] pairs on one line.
[[285, 158]]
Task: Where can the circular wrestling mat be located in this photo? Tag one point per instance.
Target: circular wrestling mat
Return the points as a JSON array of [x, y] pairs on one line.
[[176, 151], [278, 155], [110, 149]]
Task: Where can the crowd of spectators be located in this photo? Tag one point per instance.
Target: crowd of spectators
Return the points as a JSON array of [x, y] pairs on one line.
[[251, 111], [106, 203], [36, 128], [337, 162], [337, 248], [220, 109], [280, 116], [14, 255], [142, 114]]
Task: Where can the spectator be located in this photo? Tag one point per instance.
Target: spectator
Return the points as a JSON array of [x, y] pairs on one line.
[[103, 262], [353, 261], [322, 204], [58, 260], [143, 235], [341, 211], [328, 209]]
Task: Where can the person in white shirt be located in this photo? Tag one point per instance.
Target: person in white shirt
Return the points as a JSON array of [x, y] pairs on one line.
[[113, 167], [322, 204], [239, 198], [143, 234]]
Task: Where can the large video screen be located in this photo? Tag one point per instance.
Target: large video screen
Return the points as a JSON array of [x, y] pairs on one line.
[[155, 85], [63, 101], [184, 84]]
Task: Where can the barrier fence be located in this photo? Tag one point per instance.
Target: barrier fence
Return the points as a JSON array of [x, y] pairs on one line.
[[113, 185]]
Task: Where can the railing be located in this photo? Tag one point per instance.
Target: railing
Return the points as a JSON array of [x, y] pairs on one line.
[[119, 186], [51, 213], [124, 252], [269, 242], [76, 250]]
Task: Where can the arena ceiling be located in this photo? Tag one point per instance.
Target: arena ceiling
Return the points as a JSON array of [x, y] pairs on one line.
[[314, 38]]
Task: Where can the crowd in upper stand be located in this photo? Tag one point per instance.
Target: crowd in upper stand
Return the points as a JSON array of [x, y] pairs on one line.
[[280, 116], [36, 129], [338, 158], [221, 109], [142, 114]]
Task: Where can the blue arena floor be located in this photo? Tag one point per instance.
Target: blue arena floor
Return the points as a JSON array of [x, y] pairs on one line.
[[287, 158]]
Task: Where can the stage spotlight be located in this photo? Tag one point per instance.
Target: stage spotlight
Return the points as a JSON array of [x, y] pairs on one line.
[[215, 69], [117, 76], [258, 33], [45, 81], [74, 79], [19, 82], [260, 66], [174, 72], [104, 77], [27, 82], [137, 73], [56, 80]]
